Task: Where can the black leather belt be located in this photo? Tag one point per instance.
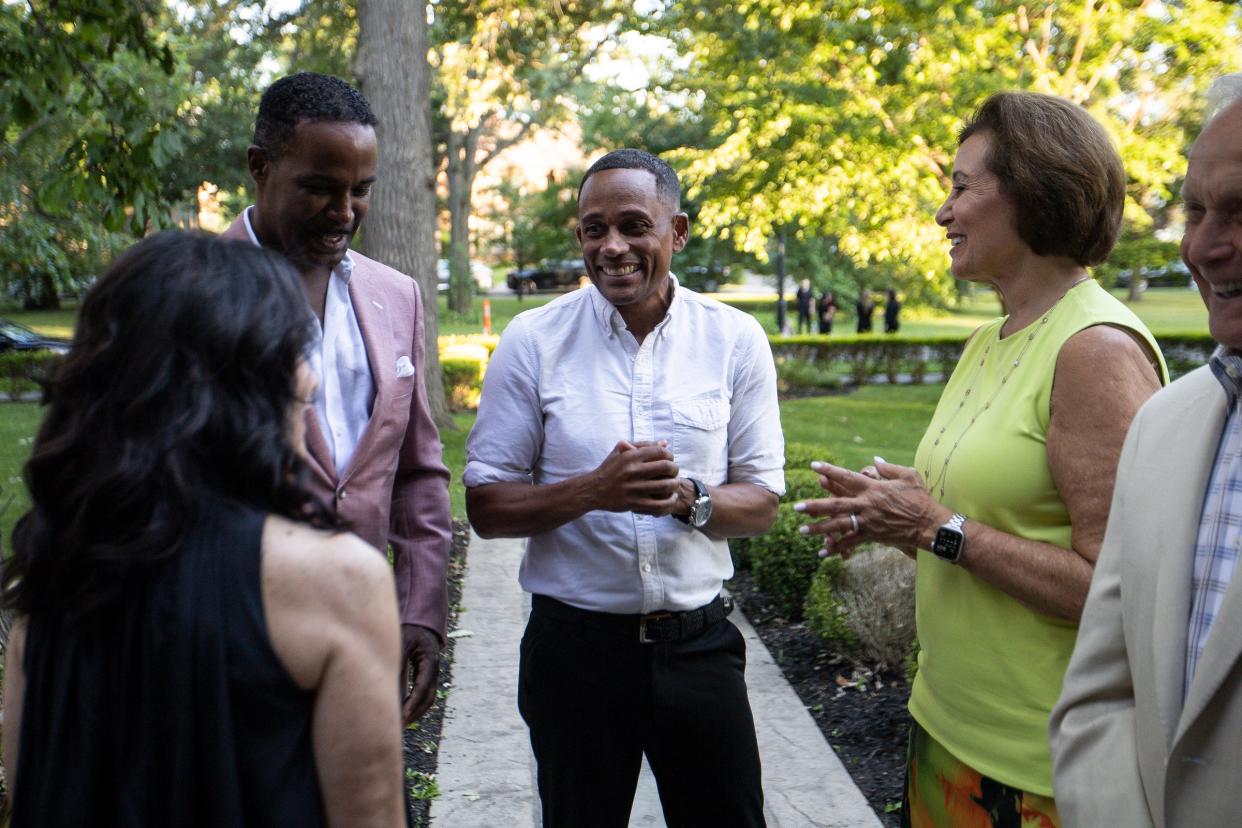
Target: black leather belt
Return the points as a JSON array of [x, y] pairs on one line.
[[653, 628]]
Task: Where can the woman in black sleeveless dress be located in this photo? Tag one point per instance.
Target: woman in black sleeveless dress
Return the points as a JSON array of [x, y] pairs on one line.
[[195, 643]]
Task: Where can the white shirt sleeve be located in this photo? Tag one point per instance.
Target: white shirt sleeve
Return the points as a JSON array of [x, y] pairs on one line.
[[756, 443], [504, 445]]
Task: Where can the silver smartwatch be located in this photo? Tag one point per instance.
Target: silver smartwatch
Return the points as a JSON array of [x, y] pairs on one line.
[[950, 540]]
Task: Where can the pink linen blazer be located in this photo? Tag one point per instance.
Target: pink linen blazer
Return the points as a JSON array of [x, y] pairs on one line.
[[395, 488]]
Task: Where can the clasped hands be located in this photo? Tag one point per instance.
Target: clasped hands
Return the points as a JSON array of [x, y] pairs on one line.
[[883, 503], [642, 477]]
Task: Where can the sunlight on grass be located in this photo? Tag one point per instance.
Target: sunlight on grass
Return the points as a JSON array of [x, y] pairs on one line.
[[882, 420], [18, 423], [454, 443]]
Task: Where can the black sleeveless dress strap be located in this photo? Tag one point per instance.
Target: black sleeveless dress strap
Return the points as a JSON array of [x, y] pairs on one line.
[[170, 709]]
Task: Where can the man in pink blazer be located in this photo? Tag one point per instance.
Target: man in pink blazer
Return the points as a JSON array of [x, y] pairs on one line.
[[374, 450]]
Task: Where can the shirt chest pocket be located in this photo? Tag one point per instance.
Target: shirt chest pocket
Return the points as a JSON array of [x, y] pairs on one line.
[[700, 437]]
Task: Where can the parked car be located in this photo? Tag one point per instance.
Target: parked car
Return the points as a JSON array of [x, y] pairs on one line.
[[15, 337], [1173, 274], [551, 274], [482, 276]]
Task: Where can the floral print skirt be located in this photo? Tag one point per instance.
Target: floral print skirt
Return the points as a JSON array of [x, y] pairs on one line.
[[943, 792]]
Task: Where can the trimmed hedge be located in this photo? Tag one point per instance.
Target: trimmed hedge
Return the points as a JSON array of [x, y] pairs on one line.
[[23, 371], [804, 361]]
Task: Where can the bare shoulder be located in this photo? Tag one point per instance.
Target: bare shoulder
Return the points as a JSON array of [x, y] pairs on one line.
[[1103, 376], [323, 593], [330, 555], [333, 567], [1104, 350]]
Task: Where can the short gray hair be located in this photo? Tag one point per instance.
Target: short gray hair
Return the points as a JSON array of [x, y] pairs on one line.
[[1224, 92]]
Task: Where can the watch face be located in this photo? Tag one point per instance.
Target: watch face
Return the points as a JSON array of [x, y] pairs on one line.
[[948, 544], [701, 512]]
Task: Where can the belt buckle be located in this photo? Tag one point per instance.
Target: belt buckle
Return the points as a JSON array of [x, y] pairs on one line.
[[642, 625]]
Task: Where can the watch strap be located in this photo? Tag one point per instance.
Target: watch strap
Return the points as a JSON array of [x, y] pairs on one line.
[[700, 492], [949, 541]]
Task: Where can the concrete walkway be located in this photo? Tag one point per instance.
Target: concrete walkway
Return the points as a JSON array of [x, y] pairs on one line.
[[486, 772]]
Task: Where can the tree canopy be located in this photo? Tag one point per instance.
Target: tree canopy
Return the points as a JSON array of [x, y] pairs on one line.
[[838, 120]]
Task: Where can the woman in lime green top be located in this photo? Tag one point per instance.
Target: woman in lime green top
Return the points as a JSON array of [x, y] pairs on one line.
[[1009, 497]]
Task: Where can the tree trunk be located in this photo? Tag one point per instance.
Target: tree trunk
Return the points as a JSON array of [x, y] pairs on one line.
[[400, 228], [1136, 286], [461, 172]]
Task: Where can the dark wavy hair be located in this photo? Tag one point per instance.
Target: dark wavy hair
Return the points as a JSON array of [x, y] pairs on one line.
[[306, 96], [178, 389]]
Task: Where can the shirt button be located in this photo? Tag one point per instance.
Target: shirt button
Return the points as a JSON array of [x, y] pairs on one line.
[[646, 567], [342, 494]]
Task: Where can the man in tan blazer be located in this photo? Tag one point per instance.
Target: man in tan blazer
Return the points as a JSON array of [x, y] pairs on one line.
[[1148, 730], [375, 452]]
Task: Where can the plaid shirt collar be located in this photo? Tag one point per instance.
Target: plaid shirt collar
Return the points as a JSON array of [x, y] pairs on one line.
[[1226, 365]]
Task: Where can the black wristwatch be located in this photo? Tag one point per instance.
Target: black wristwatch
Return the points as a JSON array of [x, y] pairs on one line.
[[700, 509], [950, 540]]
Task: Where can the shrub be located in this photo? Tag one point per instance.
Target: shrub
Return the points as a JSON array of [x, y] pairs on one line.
[[23, 371], [866, 356], [450, 341], [825, 615], [784, 561], [797, 374], [463, 381], [866, 608]]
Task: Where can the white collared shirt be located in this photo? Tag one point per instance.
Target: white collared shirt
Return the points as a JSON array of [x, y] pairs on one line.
[[347, 392], [568, 381]]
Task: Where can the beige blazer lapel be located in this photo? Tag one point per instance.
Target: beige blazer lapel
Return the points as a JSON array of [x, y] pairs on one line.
[[377, 336], [1179, 501]]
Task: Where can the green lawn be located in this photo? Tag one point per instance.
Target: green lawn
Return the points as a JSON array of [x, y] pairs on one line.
[[1165, 310], [853, 428], [455, 458], [882, 420], [18, 422]]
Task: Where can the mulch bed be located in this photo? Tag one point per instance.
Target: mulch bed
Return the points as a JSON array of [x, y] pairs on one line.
[[862, 713], [422, 739]]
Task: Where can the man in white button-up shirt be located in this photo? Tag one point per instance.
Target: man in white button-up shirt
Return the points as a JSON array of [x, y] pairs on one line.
[[628, 429]]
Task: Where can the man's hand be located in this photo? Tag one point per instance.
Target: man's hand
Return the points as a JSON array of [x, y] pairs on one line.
[[638, 477], [420, 649]]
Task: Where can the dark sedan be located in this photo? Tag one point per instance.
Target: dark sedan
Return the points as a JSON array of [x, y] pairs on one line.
[[15, 337], [549, 275]]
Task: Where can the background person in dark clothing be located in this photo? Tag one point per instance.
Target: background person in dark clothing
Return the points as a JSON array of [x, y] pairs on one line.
[[194, 644], [864, 307], [892, 311], [805, 298], [826, 311]]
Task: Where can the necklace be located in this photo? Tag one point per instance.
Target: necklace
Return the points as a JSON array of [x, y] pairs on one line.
[[938, 483]]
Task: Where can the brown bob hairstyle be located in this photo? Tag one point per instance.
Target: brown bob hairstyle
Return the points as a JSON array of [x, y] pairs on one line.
[[1059, 169]]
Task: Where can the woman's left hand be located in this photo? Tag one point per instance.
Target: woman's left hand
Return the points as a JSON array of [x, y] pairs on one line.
[[885, 503]]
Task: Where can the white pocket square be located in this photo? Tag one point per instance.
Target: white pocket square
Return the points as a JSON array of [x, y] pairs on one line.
[[405, 368]]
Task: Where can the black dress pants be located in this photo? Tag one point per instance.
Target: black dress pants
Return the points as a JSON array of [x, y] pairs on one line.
[[596, 701]]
